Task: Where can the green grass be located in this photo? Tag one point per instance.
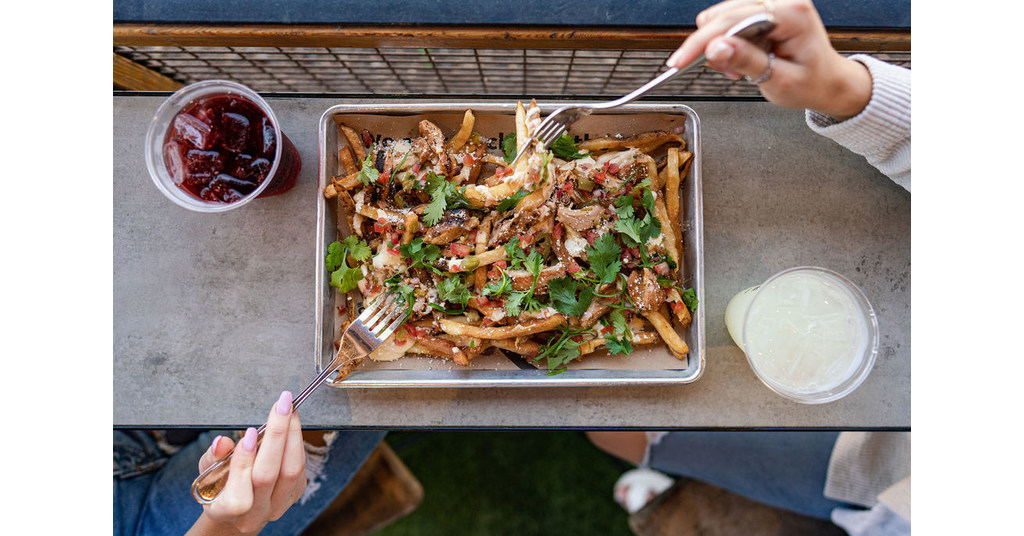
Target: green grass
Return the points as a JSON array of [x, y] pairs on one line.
[[514, 482]]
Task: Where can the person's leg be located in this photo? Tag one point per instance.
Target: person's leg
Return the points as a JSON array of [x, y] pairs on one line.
[[628, 446], [136, 460], [783, 469], [170, 509]]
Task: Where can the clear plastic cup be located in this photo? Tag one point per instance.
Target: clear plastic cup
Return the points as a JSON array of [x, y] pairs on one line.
[[808, 333], [215, 139]]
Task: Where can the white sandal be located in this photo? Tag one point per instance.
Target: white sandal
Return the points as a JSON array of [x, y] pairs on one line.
[[636, 487]]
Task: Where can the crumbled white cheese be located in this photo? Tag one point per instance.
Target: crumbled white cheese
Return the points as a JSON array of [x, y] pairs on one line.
[[385, 258], [398, 151], [497, 314], [576, 245], [358, 198]]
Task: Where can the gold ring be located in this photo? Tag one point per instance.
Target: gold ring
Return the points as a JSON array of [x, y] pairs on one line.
[[769, 8]]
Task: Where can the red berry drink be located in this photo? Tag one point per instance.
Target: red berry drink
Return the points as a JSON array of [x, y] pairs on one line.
[[216, 145], [221, 147]]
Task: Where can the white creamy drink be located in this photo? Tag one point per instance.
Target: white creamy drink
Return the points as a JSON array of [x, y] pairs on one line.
[[804, 332]]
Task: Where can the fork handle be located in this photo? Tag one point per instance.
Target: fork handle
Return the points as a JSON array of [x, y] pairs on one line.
[[754, 29], [210, 483], [659, 80]]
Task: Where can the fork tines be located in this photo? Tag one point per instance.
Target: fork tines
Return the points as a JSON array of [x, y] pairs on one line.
[[383, 315]]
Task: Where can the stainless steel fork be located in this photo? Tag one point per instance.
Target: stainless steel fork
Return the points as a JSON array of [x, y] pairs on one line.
[[368, 331], [754, 29]]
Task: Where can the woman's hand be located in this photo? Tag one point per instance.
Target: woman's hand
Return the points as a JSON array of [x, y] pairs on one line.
[[262, 484], [806, 71]]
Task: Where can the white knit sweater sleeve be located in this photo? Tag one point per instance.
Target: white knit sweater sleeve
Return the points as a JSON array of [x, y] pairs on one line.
[[881, 132]]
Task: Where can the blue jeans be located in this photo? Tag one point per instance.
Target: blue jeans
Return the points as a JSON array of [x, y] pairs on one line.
[[782, 469], [152, 491]]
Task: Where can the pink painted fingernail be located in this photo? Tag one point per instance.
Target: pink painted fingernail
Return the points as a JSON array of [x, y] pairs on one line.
[[284, 404], [721, 51], [213, 445], [249, 440]]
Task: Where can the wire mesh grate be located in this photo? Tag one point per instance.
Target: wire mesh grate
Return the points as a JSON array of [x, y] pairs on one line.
[[455, 71]]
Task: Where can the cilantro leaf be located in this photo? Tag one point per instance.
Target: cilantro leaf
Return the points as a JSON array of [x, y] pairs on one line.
[[343, 277], [443, 195], [563, 295], [515, 254], [620, 339], [636, 230], [499, 288], [508, 146], [438, 199], [533, 263], [648, 200], [405, 291], [624, 206], [453, 290], [368, 174], [617, 346], [690, 299], [630, 228], [619, 325], [514, 303], [605, 258], [335, 256], [559, 352], [421, 254], [523, 299], [565, 148], [357, 249], [511, 201]]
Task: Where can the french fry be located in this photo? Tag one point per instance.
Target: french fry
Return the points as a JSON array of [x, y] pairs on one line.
[[646, 142], [521, 136], [433, 346], [478, 164], [347, 182], [376, 214], [640, 338], [501, 332], [682, 313], [494, 159], [412, 224], [355, 141], [668, 229], [345, 201], [675, 343], [482, 234], [490, 256], [652, 173], [685, 159], [347, 160], [519, 345], [482, 196], [672, 198], [462, 136]]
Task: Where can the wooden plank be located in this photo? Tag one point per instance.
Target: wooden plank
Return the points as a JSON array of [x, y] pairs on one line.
[[450, 37], [693, 508], [131, 75]]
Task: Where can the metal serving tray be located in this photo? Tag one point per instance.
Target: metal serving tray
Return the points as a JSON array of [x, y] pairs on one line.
[[652, 365]]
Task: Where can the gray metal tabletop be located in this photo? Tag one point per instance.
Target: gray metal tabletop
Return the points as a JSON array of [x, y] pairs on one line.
[[214, 313]]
